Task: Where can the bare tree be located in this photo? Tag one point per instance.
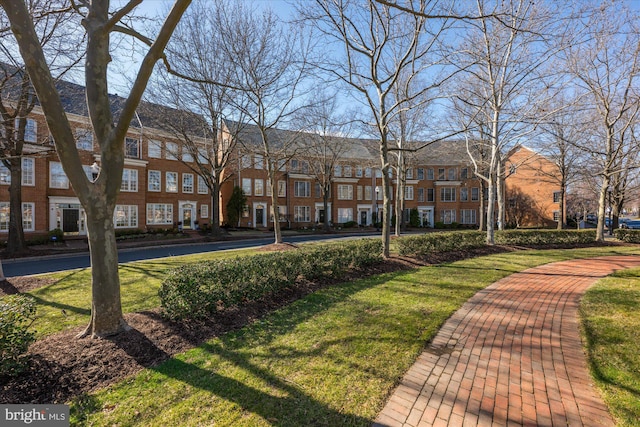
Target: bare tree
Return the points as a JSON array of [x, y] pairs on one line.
[[268, 60], [606, 67], [503, 59], [98, 197], [380, 43]]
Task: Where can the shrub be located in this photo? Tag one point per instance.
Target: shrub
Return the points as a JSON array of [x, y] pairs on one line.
[[17, 313], [544, 237], [627, 235], [414, 218], [56, 235], [349, 224], [447, 241], [196, 290]]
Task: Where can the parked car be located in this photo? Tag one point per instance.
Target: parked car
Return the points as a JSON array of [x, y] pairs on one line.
[[633, 224]]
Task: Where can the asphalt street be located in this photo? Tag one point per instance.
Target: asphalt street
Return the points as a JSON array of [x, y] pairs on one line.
[[52, 263]]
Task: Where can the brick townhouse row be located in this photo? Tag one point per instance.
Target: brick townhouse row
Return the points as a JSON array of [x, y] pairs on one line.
[[161, 190]]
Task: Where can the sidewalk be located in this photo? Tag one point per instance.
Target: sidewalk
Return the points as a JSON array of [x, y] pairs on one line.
[[512, 355]]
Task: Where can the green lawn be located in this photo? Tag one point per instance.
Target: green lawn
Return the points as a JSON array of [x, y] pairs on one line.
[[611, 326], [331, 358]]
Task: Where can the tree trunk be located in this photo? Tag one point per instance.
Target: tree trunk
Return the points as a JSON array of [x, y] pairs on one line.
[[215, 210], [106, 311], [277, 232], [491, 206], [325, 205], [500, 196], [16, 243], [481, 214], [602, 202]]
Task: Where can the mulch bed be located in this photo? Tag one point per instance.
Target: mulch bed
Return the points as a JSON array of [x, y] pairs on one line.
[[63, 367]]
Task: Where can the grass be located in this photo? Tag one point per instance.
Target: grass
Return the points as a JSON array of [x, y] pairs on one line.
[[139, 282], [331, 358], [610, 314]]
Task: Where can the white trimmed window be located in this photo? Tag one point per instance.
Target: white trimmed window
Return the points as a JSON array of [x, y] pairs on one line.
[[447, 194], [302, 189], [202, 185], [171, 151], [347, 171], [129, 180], [420, 173], [154, 181], [126, 216], [204, 211], [171, 182], [359, 172], [154, 149], [367, 173], [268, 188], [187, 157], [367, 192], [448, 216], [345, 215], [408, 192], [409, 173], [359, 192], [345, 192], [556, 216], [245, 162], [452, 174], [57, 177], [28, 171], [258, 162], [132, 148], [4, 216], [187, 183], [301, 213], [430, 174], [84, 139], [464, 194], [282, 189], [28, 217], [246, 186], [337, 171], [5, 174], [258, 187], [30, 131], [467, 216], [421, 194], [475, 194], [159, 213]]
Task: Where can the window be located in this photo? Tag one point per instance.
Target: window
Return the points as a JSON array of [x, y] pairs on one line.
[[347, 171], [258, 187], [246, 186], [367, 173], [204, 211], [430, 174], [378, 173], [358, 171], [202, 155], [345, 215], [367, 192], [408, 192], [475, 194], [84, 139], [258, 162], [452, 174], [154, 181], [301, 189], [468, 216], [448, 216], [556, 216], [129, 180], [268, 187], [5, 174], [4, 216], [337, 171], [464, 173], [27, 217], [154, 149], [57, 177], [159, 213], [430, 195], [441, 174], [447, 194], [171, 182], [345, 192], [302, 214], [171, 151], [420, 173], [187, 157], [187, 183], [380, 193], [557, 196], [28, 171], [202, 185], [304, 166], [125, 216], [282, 214], [464, 194], [317, 190], [409, 173], [30, 131], [131, 148], [359, 192], [421, 194], [245, 162], [282, 189]]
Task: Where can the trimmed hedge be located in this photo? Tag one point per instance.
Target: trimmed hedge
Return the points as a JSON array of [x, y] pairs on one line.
[[17, 313], [429, 243], [627, 235], [193, 291]]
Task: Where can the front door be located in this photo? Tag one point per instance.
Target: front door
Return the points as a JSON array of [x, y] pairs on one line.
[[70, 219], [186, 217], [260, 217], [321, 216], [363, 218]]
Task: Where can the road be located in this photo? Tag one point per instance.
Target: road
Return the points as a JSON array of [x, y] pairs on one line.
[[49, 264]]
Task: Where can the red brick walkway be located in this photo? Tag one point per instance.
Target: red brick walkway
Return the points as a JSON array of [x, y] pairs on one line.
[[512, 355]]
